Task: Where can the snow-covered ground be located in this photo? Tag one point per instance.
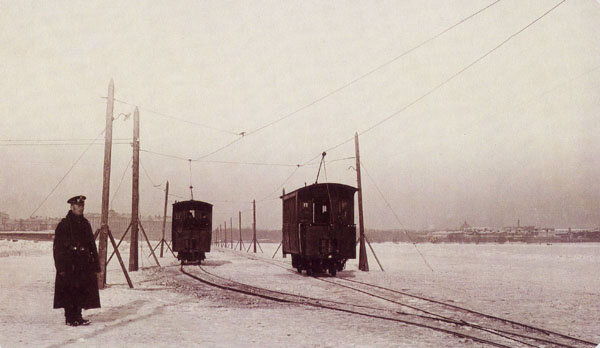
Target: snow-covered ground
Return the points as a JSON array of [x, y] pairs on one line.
[[554, 286]]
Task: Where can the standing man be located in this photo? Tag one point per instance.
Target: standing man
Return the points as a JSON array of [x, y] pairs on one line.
[[76, 261]]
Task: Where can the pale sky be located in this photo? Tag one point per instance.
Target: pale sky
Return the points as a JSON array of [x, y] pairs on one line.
[[515, 136]]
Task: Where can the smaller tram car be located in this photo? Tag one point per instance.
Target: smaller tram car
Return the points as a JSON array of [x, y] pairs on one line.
[[191, 230], [318, 227]]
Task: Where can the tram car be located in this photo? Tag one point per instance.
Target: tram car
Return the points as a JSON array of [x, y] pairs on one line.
[[191, 230], [318, 227]]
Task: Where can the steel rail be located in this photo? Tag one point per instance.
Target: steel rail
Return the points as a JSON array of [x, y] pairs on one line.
[[317, 305], [542, 330], [497, 331]]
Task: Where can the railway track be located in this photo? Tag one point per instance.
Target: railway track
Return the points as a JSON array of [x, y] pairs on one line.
[[429, 321], [536, 334], [419, 306], [211, 279]]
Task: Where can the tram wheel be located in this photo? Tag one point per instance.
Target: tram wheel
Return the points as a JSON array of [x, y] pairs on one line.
[[332, 271]]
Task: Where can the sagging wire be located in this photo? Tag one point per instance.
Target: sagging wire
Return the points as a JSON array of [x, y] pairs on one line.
[[396, 215], [280, 186], [114, 195], [67, 173]]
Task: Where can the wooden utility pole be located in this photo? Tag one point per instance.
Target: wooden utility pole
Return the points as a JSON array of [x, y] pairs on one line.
[[135, 185], [254, 224], [102, 243], [231, 231], [240, 228], [164, 219], [363, 263], [225, 230]]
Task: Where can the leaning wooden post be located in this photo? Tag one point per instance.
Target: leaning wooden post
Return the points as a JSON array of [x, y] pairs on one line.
[[135, 185], [118, 244], [103, 241], [254, 224], [373, 251], [363, 263], [149, 245], [116, 249], [162, 241]]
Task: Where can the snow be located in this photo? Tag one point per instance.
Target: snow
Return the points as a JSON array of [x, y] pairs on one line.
[[552, 286]]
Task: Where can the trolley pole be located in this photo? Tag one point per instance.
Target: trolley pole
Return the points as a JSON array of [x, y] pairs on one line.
[[103, 241], [363, 263], [164, 219], [133, 246], [254, 224]]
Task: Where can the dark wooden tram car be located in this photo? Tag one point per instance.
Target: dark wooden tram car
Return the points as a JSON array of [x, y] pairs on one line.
[[191, 230], [318, 227]]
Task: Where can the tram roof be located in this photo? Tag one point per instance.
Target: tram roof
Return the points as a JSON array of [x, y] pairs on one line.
[[334, 187], [192, 204]]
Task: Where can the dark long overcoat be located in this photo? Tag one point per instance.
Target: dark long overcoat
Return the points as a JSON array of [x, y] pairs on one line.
[[76, 262]]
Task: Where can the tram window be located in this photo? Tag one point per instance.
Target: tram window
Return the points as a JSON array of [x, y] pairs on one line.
[[321, 213], [305, 205]]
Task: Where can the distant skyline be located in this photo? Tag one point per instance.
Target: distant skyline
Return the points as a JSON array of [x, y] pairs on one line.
[[459, 128]]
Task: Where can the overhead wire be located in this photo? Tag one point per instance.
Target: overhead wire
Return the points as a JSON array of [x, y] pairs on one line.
[[396, 216], [66, 174], [279, 187], [62, 144], [222, 162], [348, 84], [114, 195], [148, 176], [61, 140], [164, 115], [372, 71], [446, 81]]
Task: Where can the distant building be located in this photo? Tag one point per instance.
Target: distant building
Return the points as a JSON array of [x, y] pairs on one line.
[[119, 223], [4, 218]]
